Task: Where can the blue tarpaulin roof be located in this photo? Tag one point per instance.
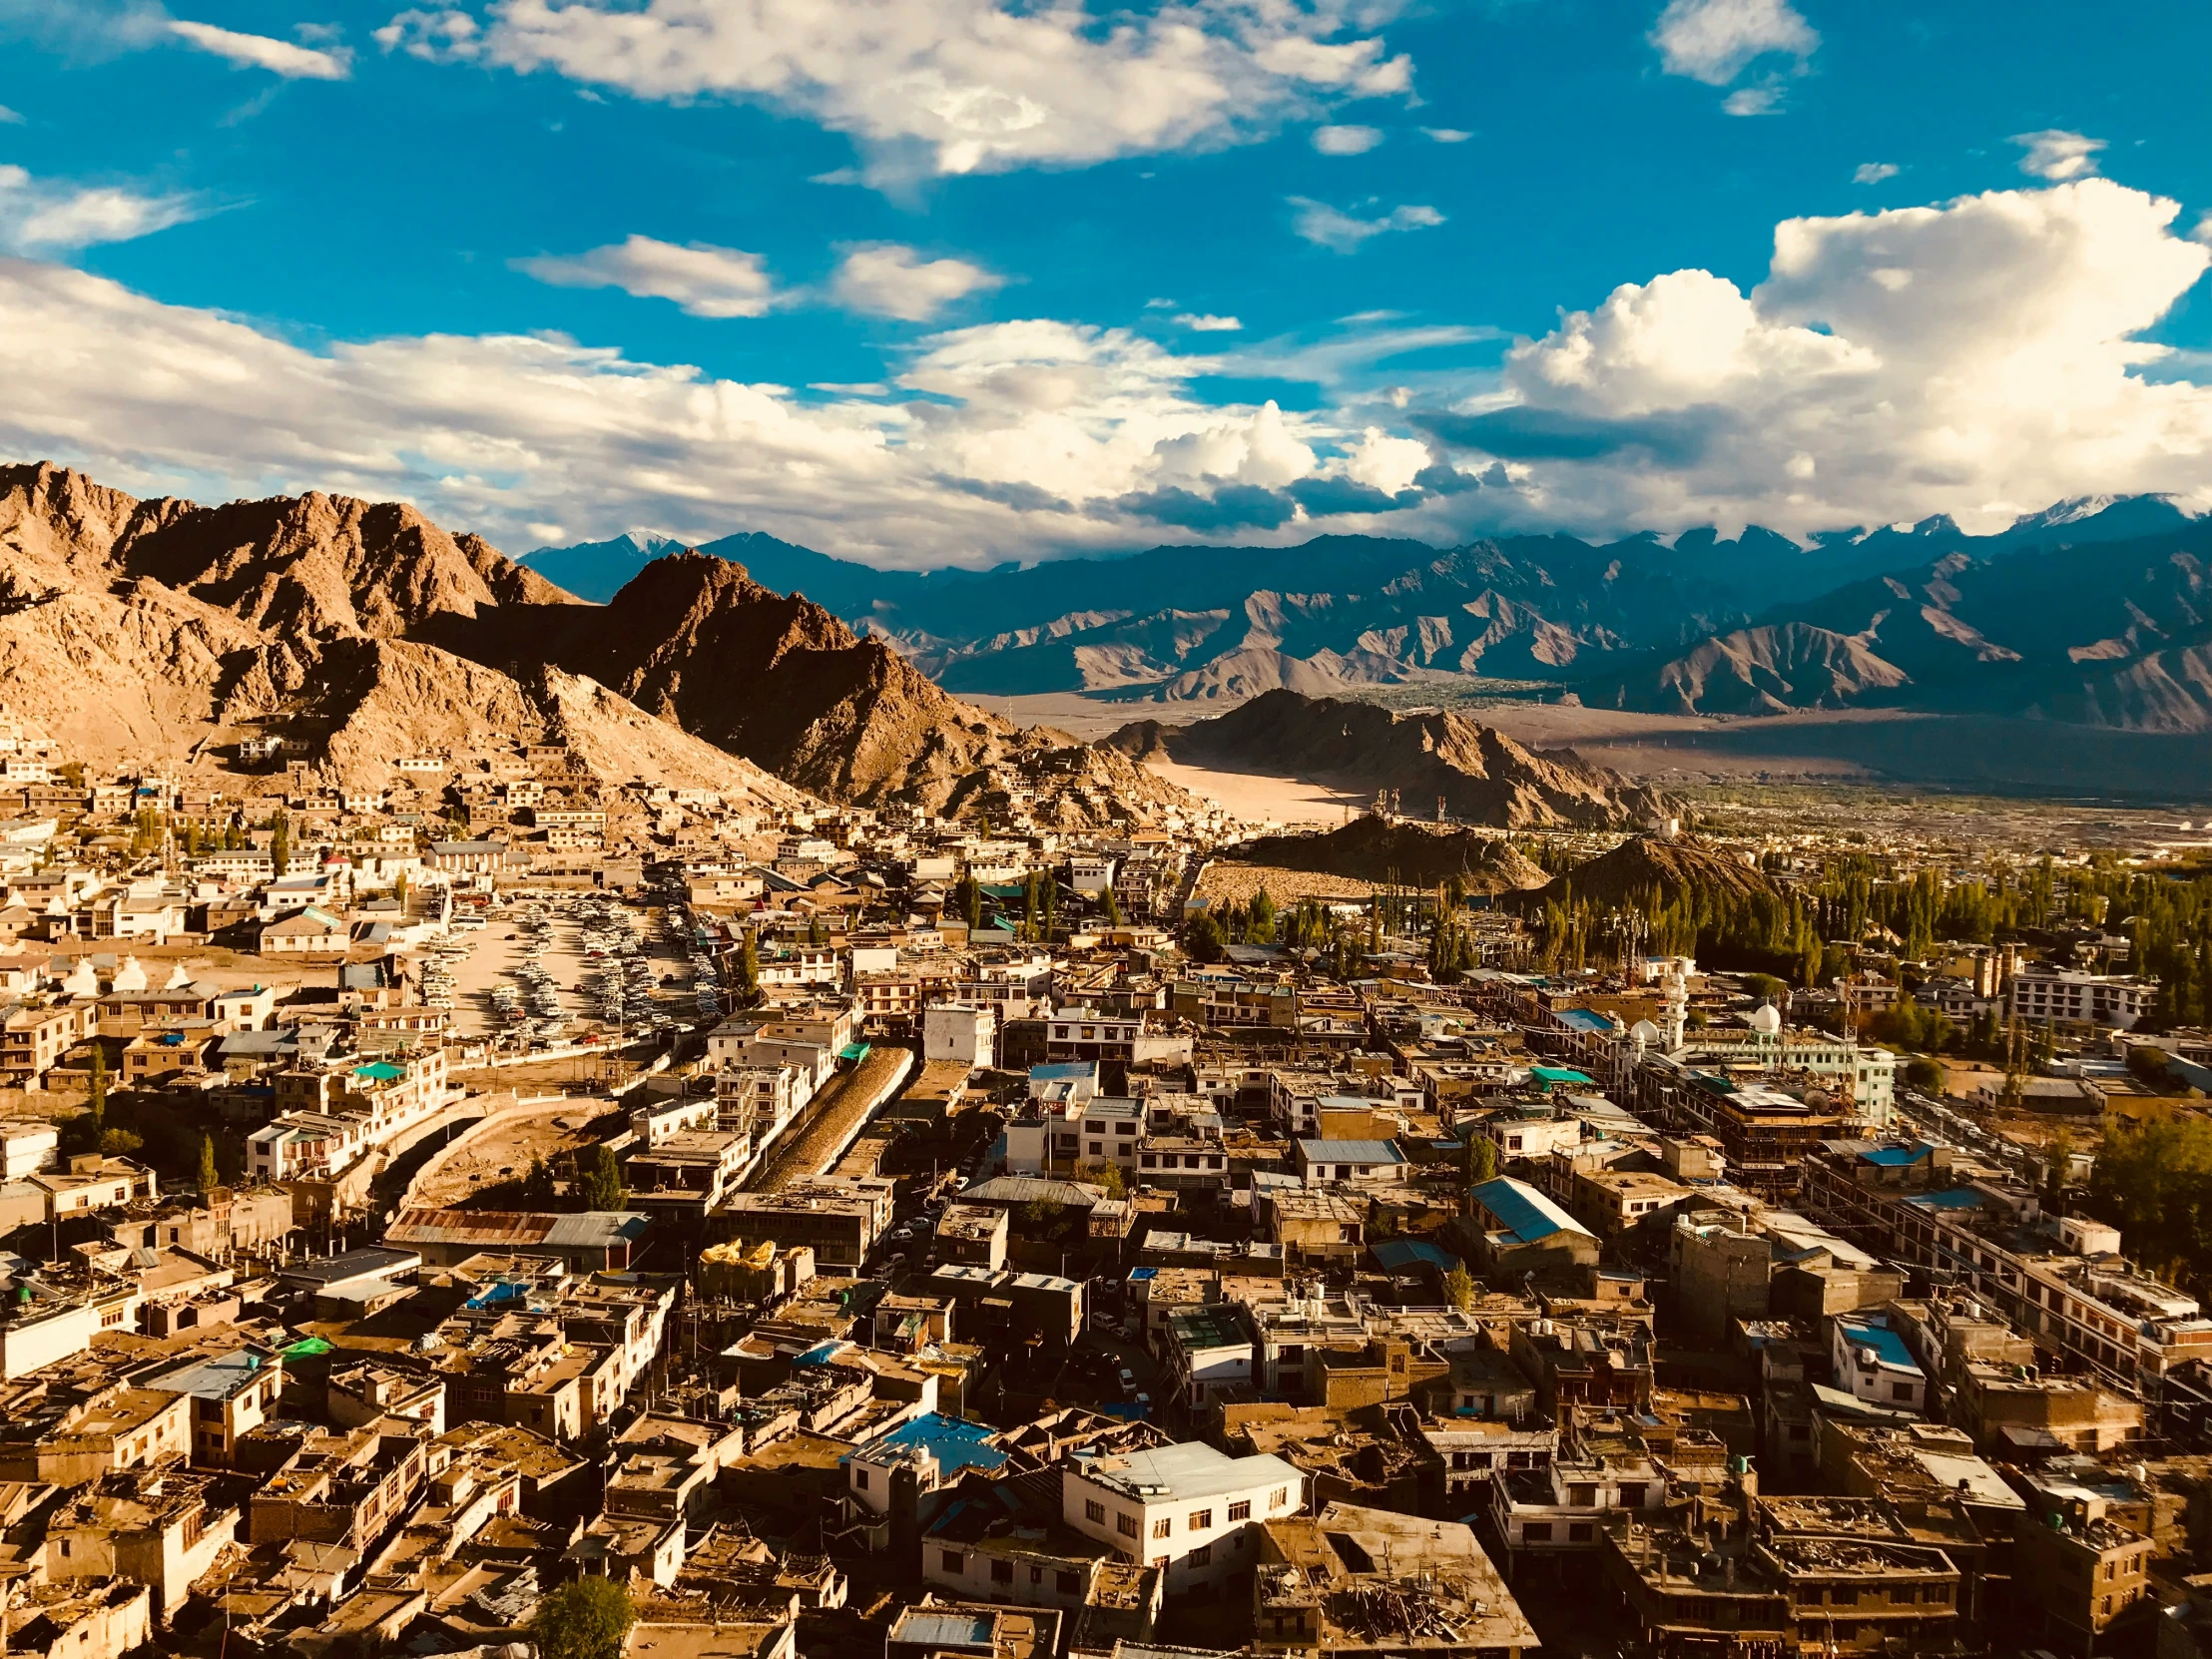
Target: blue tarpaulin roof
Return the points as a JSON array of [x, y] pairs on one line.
[[1895, 1157], [1522, 1210], [1402, 1255]]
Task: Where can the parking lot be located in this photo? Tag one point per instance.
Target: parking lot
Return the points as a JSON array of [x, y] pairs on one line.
[[538, 973]]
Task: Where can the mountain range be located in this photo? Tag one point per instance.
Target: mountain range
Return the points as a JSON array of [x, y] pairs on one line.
[[2094, 611], [151, 632], [1468, 771]]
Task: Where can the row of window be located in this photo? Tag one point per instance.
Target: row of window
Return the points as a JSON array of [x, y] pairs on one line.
[[1201, 1520]]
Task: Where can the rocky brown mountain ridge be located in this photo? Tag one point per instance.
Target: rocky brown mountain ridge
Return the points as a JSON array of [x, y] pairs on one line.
[[370, 632], [1653, 867], [846, 718], [1478, 774], [1374, 849]]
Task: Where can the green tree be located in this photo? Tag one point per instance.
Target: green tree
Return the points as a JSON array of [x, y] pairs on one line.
[[98, 1101], [1260, 918], [586, 1618], [749, 972], [120, 1143], [280, 844], [599, 1179], [208, 1179], [1204, 938], [968, 899], [1459, 1288], [1110, 908], [1105, 1174], [1481, 1160]]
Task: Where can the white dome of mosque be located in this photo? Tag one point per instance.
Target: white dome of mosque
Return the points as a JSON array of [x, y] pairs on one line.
[[1644, 1031], [1766, 1020]]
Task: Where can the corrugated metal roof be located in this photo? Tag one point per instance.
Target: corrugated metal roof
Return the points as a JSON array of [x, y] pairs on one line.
[[594, 1228], [1525, 1212], [1350, 1152]]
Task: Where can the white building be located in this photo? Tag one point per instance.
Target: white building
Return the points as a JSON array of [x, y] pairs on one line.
[[959, 1032], [1872, 1360], [1190, 1510], [2046, 995]]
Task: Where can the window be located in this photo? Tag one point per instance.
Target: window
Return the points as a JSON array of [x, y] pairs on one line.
[[1200, 1519], [953, 1560], [1093, 1510], [1127, 1526], [1279, 1496], [1203, 1555], [1163, 1528], [1002, 1573], [1536, 1532], [1580, 1533], [1241, 1510], [1036, 1576], [1068, 1583], [1901, 1391]]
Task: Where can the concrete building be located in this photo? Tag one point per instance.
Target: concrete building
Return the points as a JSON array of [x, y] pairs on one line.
[[1190, 1510]]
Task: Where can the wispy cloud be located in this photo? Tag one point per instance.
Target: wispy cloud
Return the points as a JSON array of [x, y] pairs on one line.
[[1448, 135], [2056, 154], [38, 217], [1873, 173], [1348, 233], [9, 117], [703, 280], [279, 56], [1763, 100], [1205, 322]]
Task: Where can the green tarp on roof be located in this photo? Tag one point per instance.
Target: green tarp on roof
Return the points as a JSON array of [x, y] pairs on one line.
[[306, 1348]]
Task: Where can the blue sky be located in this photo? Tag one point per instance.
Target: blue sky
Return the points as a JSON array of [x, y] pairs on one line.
[[952, 281]]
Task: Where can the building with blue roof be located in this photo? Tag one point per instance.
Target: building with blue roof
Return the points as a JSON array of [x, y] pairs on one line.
[[932, 1450], [1874, 1363], [1517, 1231]]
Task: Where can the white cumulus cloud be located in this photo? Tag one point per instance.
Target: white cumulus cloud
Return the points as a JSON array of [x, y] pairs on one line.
[[1348, 233], [997, 441], [279, 56], [1873, 173], [2056, 154], [1205, 322], [40, 216], [1978, 357], [949, 85], [1346, 140], [884, 279], [704, 280], [1714, 41]]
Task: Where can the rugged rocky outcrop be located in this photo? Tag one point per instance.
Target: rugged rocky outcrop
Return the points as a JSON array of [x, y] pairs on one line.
[[1480, 774], [370, 632], [1374, 849], [1651, 865]]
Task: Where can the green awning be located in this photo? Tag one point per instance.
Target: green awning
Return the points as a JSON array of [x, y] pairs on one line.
[[856, 1052], [306, 1348]]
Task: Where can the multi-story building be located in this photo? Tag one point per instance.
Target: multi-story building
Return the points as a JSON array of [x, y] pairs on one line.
[[1190, 1510], [2045, 995], [2062, 1281]]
